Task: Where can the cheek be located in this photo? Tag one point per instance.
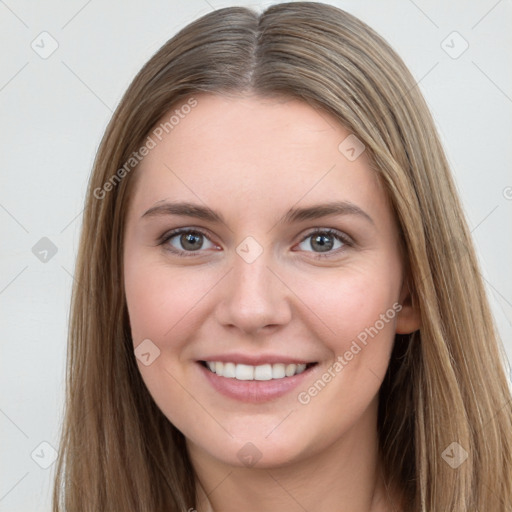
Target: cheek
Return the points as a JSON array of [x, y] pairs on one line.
[[162, 306], [348, 304], [355, 320], [160, 301]]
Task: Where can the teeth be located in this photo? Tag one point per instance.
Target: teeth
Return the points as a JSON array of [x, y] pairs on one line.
[[249, 372], [278, 371], [229, 370], [290, 370], [263, 372], [243, 372]]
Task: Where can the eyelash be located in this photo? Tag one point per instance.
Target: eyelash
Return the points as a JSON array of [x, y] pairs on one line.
[[345, 239]]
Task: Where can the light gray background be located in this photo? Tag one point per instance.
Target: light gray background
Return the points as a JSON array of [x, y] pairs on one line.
[[54, 112]]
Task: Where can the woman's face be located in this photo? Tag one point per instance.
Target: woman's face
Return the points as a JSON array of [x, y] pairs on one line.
[[287, 255]]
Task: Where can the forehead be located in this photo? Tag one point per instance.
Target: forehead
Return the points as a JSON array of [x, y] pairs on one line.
[[252, 154]]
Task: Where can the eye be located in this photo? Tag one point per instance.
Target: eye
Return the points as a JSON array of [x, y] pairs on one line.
[[189, 242], [325, 243], [185, 241]]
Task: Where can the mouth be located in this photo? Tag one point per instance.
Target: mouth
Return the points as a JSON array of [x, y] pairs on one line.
[[262, 372], [256, 384]]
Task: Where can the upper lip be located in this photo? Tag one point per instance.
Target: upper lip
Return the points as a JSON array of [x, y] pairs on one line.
[[256, 360]]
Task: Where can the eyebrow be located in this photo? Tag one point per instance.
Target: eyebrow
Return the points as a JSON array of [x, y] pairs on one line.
[[292, 215]]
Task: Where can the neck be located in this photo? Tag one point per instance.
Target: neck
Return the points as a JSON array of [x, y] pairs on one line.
[[346, 477]]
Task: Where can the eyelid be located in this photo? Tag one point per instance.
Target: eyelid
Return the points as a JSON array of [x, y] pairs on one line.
[[340, 235], [178, 231], [346, 239]]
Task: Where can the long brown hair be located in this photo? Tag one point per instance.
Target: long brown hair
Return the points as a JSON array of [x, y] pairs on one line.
[[445, 383]]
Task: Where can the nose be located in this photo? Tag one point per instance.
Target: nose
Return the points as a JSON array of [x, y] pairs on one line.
[[253, 298]]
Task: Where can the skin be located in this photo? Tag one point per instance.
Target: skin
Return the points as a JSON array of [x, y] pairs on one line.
[[251, 160]]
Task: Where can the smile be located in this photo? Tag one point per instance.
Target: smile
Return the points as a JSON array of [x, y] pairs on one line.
[[249, 372], [255, 383]]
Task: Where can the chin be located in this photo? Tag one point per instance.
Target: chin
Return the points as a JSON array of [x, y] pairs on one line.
[[258, 451]]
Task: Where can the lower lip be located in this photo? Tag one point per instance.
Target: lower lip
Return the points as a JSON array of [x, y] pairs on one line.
[[254, 391]]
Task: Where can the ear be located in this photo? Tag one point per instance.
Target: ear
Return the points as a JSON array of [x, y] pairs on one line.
[[408, 318]]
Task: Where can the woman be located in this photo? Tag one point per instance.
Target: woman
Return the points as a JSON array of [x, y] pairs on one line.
[[278, 302]]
